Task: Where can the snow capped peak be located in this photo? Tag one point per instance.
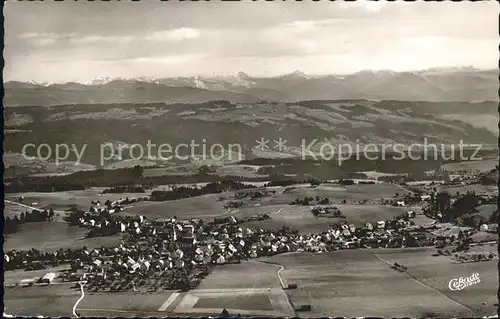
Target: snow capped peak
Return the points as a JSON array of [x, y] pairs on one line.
[[32, 82], [146, 79], [198, 82], [100, 80], [297, 74], [243, 76]]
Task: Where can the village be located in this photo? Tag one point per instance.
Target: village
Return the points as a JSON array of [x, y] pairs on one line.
[[156, 255]]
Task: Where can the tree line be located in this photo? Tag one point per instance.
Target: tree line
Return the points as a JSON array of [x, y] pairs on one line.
[[11, 224]]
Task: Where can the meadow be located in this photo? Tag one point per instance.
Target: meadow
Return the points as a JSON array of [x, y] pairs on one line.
[[481, 165], [80, 199], [54, 300], [54, 235], [356, 283], [437, 271], [194, 207]]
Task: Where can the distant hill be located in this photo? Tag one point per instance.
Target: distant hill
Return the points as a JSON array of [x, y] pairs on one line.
[[438, 84], [223, 122], [116, 91]]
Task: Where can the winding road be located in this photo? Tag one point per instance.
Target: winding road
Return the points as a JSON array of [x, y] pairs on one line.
[[278, 272], [78, 301]]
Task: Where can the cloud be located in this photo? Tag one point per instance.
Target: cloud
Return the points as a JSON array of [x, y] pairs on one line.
[[368, 5], [40, 39], [92, 39], [174, 35], [164, 59]]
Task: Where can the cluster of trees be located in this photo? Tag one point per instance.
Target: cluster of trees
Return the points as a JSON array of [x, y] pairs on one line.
[[114, 178], [124, 189], [306, 201], [186, 192], [76, 181], [281, 183], [457, 210], [11, 224], [350, 168], [346, 182]]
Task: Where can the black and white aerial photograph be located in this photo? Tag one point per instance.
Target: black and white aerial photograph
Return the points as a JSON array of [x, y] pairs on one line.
[[279, 159]]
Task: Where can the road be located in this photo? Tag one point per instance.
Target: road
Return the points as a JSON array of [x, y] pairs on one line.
[[278, 273], [31, 207], [78, 301], [19, 204]]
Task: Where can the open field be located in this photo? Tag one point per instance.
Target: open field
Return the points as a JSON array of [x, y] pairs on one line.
[[64, 200], [51, 236], [438, 271], [375, 175], [487, 210], [194, 207], [52, 300], [249, 288], [17, 164], [338, 192], [123, 302], [248, 171], [301, 218], [58, 300], [478, 188], [257, 292], [11, 209], [247, 302], [296, 217], [481, 165], [356, 283], [360, 214], [248, 274], [16, 276]]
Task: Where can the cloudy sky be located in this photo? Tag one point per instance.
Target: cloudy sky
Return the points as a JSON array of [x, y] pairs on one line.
[[77, 41]]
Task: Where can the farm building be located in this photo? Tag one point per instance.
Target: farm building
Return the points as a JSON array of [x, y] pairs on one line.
[[411, 214], [48, 278]]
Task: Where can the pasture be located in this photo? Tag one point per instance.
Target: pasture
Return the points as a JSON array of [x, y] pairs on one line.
[[438, 271], [53, 235], [355, 283], [97, 303], [246, 302], [477, 188], [301, 217], [16, 276], [295, 217], [187, 208], [248, 274], [368, 192], [64, 200], [247, 171], [249, 288], [487, 210], [12, 209], [470, 166], [53, 300]]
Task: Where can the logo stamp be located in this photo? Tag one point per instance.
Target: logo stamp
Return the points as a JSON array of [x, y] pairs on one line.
[[463, 282]]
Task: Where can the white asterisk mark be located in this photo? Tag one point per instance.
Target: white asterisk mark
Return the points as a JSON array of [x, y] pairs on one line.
[[262, 144], [280, 144]]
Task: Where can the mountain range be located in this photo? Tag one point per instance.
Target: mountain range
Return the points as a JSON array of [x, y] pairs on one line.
[[437, 84]]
